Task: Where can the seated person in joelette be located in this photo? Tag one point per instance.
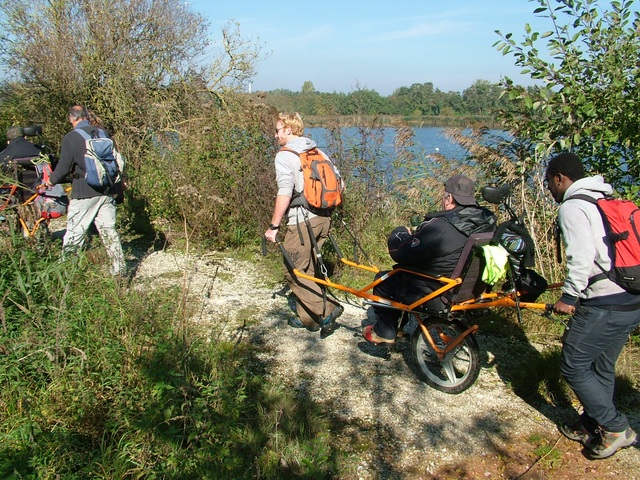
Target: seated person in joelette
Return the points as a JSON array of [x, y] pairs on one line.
[[433, 249], [17, 146], [20, 151]]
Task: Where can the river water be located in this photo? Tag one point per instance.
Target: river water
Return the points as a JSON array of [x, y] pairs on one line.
[[428, 139]]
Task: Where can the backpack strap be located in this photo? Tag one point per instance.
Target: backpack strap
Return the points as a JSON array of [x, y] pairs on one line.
[[85, 136], [579, 196], [295, 197], [95, 133], [295, 194], [287, 149]]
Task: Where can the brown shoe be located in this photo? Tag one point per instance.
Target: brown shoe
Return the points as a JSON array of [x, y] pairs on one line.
[[371, 337], [578, 432]]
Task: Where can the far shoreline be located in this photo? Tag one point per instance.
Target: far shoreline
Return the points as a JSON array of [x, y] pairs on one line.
[[466, 121]]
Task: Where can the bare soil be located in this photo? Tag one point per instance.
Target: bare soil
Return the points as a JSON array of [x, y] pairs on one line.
[[391, 424]]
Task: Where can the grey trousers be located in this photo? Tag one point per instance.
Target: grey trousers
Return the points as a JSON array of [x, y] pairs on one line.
[[591, 346], [101, 211]]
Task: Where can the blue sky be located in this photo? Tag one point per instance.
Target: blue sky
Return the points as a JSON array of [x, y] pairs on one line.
[[376, 44]]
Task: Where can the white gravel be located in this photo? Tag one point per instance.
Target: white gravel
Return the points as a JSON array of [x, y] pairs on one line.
[[361, 383]]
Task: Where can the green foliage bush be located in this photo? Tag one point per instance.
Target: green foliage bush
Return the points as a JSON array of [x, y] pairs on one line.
[[216, 176], [586, 101], [97, 380]]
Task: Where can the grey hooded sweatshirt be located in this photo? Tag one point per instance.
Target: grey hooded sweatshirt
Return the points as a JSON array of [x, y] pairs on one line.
[[587, 254]]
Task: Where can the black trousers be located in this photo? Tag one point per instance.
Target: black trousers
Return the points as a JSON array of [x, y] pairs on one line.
[[405, 288]]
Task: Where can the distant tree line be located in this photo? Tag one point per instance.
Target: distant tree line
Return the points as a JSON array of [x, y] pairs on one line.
[[417, 100]]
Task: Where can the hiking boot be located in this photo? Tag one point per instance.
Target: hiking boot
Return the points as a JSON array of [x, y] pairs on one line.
[[578, 432], [329, 324], [610, 442], [297, 323]]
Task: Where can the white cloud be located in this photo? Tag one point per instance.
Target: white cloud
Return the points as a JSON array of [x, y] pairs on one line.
[[428, 30]]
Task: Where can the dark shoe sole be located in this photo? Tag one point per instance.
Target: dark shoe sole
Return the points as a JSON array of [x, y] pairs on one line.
[[329, 324], [572, 433]]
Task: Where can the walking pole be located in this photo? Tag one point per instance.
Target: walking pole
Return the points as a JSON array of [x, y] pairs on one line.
[[356, 243]]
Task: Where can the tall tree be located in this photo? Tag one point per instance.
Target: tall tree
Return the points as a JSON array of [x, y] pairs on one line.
[[482, 98], [307, 87], [588, 97], [418, 99], [138, 63], [367, 102], [120, 57]]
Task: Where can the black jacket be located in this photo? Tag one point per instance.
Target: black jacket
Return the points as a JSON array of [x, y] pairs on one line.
[[18, 148], [72, 162], [436, 245]]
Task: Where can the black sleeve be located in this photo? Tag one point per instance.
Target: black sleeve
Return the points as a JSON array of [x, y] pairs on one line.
[[408, 249], [65, 164]]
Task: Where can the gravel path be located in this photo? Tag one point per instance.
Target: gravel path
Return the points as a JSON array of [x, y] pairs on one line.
[[416, 431]]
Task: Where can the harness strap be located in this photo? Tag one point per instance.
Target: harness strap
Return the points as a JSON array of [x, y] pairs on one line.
[[602, 275], [317, 258], [556, 232]]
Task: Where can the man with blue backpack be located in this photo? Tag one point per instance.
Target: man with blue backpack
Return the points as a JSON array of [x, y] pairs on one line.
[[92, 195]]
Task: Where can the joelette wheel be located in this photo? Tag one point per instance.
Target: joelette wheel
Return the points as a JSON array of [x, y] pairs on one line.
[[458, 369]]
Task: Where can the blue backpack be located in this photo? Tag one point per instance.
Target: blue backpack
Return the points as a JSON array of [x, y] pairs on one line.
[[103, 165]]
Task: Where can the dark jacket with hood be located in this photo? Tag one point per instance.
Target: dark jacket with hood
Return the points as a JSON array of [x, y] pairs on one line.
[[71, 161], [436, 245], [19, 148]]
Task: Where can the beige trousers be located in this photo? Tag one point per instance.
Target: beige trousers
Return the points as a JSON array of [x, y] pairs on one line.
[[101, 211], [310, 305]]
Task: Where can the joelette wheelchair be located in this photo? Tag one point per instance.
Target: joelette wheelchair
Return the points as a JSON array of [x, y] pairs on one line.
[[444, 347], [27, 199]]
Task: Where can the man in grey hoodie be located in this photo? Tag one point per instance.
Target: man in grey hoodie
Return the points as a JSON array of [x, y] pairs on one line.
[[602, 313], [315, 311]]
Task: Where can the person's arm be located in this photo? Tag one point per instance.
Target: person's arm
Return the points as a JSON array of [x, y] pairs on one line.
[[408, 249], [280, 209], [65, 163], [285, 177], [4, 158], [580, 250]]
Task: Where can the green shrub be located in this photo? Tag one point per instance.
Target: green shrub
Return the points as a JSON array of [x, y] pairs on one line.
[[215, 175], [98, 380]]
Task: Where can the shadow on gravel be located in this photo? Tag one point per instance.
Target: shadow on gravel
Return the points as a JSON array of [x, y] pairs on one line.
[[394, 436], [534, 374]]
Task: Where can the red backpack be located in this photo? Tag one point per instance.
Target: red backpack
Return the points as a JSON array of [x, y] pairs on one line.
[[621, 219], [322, 184]]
